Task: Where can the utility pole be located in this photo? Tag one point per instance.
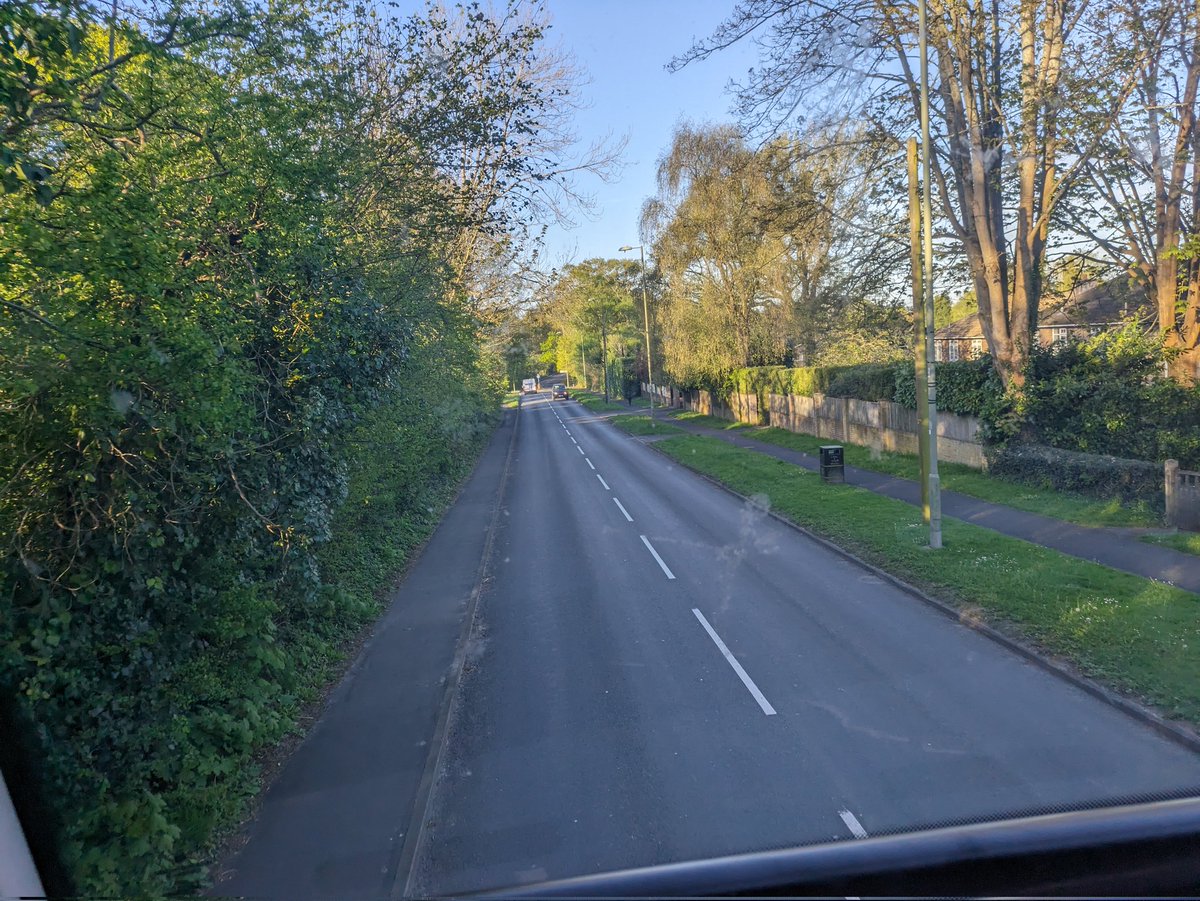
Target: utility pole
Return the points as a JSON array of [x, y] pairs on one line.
[[646, 314], [583, 365], [918, 304], [935, 491], [604, 343]]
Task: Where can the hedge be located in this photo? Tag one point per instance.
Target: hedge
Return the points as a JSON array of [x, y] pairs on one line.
[[965, 387], [206, 358], [1108, 396], [866, 381], [1098, 475]]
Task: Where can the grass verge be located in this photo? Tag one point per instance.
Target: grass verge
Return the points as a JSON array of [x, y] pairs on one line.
[[597, 404], [1188, 542], [644, 425], [1131, 633], [710, 422], [1076, 508]]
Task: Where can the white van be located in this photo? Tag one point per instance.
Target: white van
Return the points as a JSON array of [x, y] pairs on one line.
[[529, 386]]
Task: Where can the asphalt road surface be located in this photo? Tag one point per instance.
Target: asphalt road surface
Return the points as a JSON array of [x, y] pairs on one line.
[[660, 672]]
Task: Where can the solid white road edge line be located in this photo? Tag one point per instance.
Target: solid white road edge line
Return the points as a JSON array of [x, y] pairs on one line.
[[650, 548], [623, 510], [602, 482], [852, 824], [737, 667]]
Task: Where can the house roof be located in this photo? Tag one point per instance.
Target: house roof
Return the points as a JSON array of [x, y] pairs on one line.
[[1089, 303], [1094, 303], [967, 327]]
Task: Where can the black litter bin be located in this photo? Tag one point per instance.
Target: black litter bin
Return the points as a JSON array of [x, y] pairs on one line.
[[833, 466]]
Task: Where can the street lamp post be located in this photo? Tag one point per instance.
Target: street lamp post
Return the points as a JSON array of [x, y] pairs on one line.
[[646, 314]]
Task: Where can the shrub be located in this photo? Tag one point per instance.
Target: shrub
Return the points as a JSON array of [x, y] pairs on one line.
[[965, 387], [1105, 396], [210, 338], [864, 381], [1094, 474], [867, 381]]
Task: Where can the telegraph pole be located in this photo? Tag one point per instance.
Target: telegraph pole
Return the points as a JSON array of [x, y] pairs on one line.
[[935, 492], [604, 342], [918, 304], [646, 314]]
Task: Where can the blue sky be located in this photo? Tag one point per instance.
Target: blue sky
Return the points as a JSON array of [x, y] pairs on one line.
[[623, 46]]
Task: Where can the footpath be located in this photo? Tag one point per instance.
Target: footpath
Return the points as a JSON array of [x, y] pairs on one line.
[[1118, 548], [341, 818]]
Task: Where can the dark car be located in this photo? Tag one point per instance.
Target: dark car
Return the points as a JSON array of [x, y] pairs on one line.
[[560, 392]]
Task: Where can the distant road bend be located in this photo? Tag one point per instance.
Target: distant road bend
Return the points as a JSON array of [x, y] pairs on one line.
[[662, 672]]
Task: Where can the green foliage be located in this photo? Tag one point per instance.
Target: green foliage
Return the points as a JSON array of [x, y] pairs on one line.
[[870, 381], [946, 311], [1106, 396], [1101, 476], [864, 381], [588, 307], [237, 379], [965, 387]]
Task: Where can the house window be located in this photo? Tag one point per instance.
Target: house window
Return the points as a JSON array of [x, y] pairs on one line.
[[953, 348], [976, 348], [1060, 334]]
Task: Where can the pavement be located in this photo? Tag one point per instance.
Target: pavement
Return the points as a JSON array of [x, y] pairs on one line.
[[1118, 548], [658, 671], [335, 822]]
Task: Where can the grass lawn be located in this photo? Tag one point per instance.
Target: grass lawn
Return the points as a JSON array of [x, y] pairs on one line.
[[511, 400], [644, 425], [1188, 542], [1076, 508], [1130, 632]]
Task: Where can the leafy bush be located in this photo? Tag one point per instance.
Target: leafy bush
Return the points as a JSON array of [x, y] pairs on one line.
[[864, 381], [1104, 396], [220, 331], [965, 387], [868, 381], [1063, 470]]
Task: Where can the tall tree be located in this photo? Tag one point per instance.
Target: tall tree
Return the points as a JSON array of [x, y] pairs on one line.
[[753, 245], [719, 235], [499, 102], [590, 305], [1005, 73], [1143, 202]]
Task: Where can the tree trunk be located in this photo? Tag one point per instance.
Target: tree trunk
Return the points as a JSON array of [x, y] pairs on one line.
[[1181, 334]]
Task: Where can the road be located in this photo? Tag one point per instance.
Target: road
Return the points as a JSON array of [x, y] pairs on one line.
[[659, 672]]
